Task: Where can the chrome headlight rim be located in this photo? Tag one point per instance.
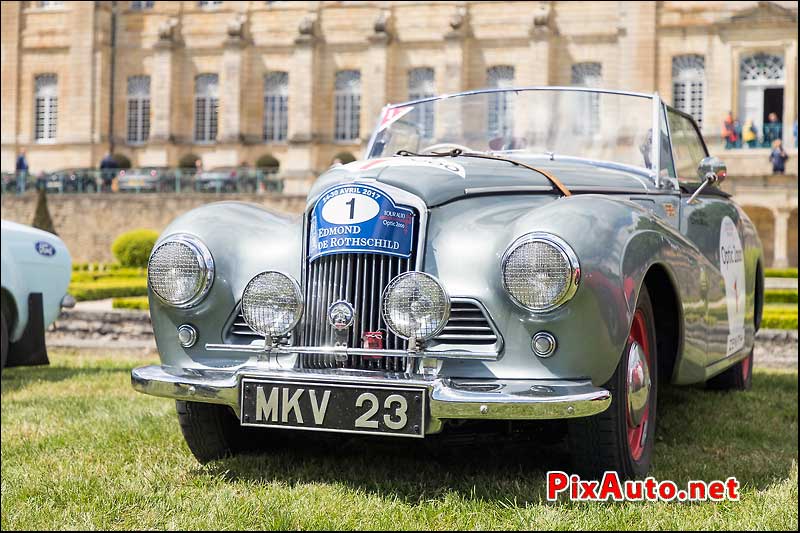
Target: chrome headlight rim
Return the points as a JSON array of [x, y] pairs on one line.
[[445, 317], [299, 308], [204, 259], [567, 253]]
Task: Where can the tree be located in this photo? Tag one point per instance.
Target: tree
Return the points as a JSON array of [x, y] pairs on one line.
[[41, 218]]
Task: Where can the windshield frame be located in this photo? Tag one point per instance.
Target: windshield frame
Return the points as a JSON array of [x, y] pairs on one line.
[[657, 105]]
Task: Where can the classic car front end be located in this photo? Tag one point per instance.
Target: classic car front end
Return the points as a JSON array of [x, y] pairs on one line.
[[462, 275]]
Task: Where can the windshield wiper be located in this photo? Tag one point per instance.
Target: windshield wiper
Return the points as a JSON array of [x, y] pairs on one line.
[[457, 152]]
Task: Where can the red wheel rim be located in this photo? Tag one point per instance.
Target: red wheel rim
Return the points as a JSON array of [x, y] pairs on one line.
[[636, 433], [746, 363]]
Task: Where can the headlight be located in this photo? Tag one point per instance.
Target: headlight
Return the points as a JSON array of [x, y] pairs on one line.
[[540, 271], [415, 306], [272, 304], [180, 270]]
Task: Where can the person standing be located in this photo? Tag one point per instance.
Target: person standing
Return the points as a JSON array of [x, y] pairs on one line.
[[778, 157], [108, 166], [750, 134], [727, 131], [21, 171]]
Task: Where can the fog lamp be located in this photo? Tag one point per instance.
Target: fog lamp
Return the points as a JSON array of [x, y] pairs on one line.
[[415, 306], [272, 304]]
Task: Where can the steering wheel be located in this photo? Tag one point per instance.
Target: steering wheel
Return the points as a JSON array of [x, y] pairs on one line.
[[445, 147]]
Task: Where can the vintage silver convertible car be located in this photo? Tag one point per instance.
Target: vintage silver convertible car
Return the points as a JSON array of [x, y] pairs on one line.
[[508, 255]]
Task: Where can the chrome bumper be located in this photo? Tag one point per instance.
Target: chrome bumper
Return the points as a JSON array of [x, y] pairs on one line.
[[487, 399]]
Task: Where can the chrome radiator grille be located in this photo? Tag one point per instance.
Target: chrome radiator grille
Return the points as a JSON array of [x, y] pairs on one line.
[[358, 278]]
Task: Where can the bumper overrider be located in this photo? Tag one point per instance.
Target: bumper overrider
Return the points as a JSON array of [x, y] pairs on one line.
[[447, 398]]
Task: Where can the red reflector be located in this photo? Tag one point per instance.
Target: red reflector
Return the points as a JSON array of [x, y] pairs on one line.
[[372, 340]]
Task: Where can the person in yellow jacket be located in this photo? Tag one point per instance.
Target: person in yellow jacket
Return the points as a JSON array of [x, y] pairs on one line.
[[749, 133]]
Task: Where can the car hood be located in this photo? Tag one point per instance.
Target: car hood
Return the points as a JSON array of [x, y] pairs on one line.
[[438, 180]]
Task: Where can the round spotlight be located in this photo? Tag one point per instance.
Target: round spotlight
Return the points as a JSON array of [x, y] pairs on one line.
[[540, 272], [415, 306], [272, 304], [180, 270]]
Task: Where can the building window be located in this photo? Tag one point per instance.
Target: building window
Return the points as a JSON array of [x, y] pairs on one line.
[[50, 5], [206, 102], [421, 85], [347, 105], [46, 102], [276, 106], [141, 5], [500, 107], [138, 109], [688, 85], [587, 112], [209, 3], [761, 84]]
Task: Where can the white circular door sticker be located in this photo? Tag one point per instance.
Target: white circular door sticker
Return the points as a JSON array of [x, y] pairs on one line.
[[731, 259], [350, 209]]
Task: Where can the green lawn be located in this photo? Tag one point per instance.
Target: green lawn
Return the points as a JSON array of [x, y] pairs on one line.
[[80, 449]]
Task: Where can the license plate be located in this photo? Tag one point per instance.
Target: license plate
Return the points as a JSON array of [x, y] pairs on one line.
[[398, 411]]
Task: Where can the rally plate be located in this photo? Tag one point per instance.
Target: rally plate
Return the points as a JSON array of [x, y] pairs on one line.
[[396, 411]]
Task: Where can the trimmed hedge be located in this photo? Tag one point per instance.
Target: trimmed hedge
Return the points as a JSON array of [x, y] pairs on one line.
[[780, 296], [108, 288], [131, 302], [780, 273], [132, 248], [82, 276], [779, 321]]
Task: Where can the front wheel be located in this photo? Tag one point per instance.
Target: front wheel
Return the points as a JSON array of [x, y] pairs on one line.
[[621, 438], [212, 431]]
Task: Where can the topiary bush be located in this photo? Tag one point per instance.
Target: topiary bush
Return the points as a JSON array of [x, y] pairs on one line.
[[780, 296], [41, 218], [780, 273], [188, 161], [121, 160], [345, 157], [268, 162], [132, 248]]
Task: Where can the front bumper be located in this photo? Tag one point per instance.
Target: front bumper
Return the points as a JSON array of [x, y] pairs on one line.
[[448, 398]]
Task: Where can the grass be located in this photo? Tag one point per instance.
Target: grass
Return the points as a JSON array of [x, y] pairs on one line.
[[131, 302], [80, 449]]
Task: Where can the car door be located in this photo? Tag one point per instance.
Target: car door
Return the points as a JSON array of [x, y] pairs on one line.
[[714, 224]]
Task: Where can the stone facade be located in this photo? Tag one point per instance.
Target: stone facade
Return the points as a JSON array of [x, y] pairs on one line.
[[89, 223], [93, 48]]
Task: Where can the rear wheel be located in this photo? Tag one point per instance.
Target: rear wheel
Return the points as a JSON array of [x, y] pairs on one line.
[[3, 340], [621, 438], [212, 431], [737, 377]]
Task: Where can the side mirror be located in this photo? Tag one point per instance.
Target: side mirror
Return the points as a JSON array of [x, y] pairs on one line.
[[712, 169]]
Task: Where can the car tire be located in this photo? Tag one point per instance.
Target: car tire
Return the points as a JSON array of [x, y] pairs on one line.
[[611, 440], [737, 377], [3, 340], [213, 432]]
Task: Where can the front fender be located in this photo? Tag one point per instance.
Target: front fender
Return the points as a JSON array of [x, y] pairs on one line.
[[616, 241], [244, 240]]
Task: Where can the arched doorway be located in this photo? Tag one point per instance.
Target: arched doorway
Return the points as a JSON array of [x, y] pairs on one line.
[[765, 224], [761, 81], [792, 245]]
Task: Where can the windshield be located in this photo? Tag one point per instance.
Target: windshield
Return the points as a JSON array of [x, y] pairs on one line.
[[549, 122]]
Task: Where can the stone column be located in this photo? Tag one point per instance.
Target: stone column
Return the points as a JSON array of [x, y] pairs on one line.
[[781, 248], [297, 169], [161, 81], [637, 46], [231, 84], [76, 95], [10, 68], [374, 77], [454, 78]]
